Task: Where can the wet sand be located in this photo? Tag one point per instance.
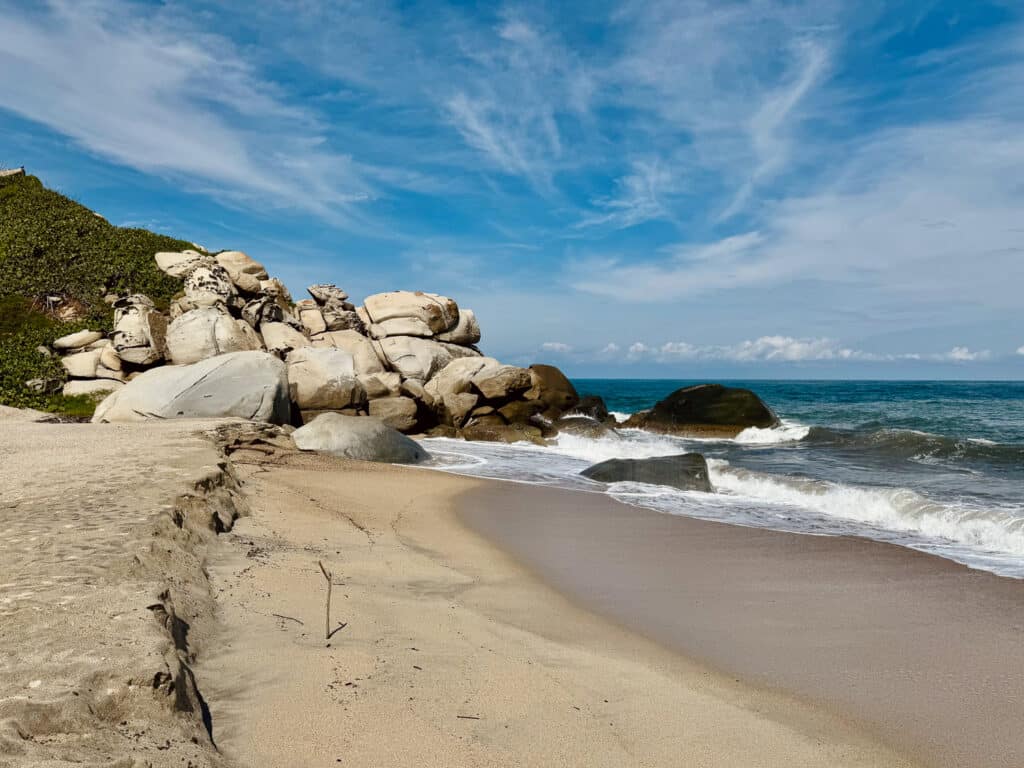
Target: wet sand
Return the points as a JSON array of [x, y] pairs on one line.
[[926, 653]]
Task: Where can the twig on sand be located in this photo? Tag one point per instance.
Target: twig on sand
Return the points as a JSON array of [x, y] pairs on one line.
[[328, 632], [467, 717], [289, 618], [328, 576]]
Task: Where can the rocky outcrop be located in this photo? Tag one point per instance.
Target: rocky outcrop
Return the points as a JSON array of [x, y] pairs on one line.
[[584, 426], [687, 471], [248, 385], [594, 407], [408, 358], [711, 409], [358, 437]]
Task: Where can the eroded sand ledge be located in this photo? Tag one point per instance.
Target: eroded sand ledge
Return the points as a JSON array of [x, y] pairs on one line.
[[104, 602], [454, 655]]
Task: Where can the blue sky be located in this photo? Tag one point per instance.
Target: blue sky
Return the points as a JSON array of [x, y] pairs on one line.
[[684, 189]]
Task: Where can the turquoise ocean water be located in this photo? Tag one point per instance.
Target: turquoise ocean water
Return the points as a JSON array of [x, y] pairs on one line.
[[933, 465]]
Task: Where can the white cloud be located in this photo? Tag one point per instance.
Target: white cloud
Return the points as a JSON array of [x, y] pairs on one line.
[[1020, 349], [163, 98], [787, 349], [639, 198], [556, 346]]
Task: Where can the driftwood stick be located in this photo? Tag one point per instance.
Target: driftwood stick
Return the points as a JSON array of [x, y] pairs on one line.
[[327, 625]]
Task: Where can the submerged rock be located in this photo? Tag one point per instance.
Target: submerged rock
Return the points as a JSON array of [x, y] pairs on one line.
[[706, 409], [358, 437], [687, 471]]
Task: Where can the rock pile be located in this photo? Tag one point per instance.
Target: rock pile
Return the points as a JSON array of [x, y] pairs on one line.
[[408, 358]]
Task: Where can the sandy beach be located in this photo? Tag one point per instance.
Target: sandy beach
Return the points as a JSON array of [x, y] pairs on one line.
[[454, 654], [474, 623]]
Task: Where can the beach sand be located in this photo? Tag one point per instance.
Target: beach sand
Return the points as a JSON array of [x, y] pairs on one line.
[[452, 653], [485, 623]]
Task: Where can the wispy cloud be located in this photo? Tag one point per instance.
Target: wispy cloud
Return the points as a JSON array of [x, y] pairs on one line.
[[556, 346], [153, 95]]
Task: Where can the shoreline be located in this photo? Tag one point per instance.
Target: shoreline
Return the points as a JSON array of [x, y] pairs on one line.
[[920, 649], [453, 653]]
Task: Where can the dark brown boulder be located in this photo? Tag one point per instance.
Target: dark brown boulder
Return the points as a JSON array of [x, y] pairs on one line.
[[687, 471], [583, 426], [706, 409], [494, 432], [552, 387], [594, 407]]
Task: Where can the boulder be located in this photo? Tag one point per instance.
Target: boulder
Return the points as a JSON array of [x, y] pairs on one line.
[[687, 471], [276, 290], [457, 407], [342, 319], [457, 376], [210, 284], [503, 382], [77, 340], [248, 385], [110, 359], [310, 316], [384, 384], [466, 330], [427, 313], [140, 332], [416, 358], [323, 379], [711, 409], [91, 387], [400, 326], [208, 332], [180, 265], [415, 389], [358, 437], [327, 293], [397, 412], [594, 407], [363, 351], [550, 385], [262, 309], [82, 365], [245, 272], [281, 338], [521, 411], [495, 432], [583, 426]]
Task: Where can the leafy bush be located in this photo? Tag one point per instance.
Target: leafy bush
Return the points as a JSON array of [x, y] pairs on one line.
[[52, 246]]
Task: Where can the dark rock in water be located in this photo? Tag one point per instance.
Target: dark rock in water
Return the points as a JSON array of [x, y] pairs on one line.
[[594, 407], [710, 409], [584, 426], [502, 433], [552, 387], [687, 471]]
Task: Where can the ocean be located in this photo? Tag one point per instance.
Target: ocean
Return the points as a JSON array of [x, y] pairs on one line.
[[936, 466]]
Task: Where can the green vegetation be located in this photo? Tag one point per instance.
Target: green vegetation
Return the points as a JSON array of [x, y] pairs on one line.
[[50, 246]]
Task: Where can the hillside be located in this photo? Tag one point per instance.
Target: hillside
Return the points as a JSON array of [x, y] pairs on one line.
[[58, 260]]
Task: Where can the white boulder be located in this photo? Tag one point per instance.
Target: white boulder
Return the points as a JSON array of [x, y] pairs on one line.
[[140, 331], [503, 382], [466, 331], [384, 384], [358, 437], [282, 338], [181, 264], [77, 340], [410, 313], [323, 379], [90, 387], [311, 317], [457, 377], [363, 351], [202, 333], [209, 283], [416, 358], [248, 385], [82, 365], [244, 271]]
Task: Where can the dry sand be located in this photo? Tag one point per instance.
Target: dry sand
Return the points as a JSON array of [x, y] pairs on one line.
[[102, 536], [452, 654]]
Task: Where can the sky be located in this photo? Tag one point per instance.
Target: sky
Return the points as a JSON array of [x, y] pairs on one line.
[[683, 189]]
